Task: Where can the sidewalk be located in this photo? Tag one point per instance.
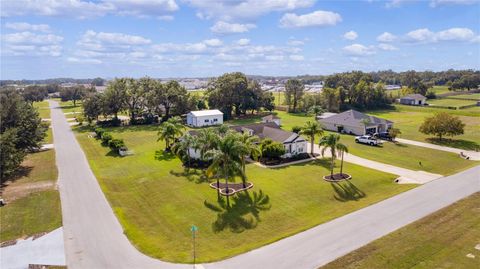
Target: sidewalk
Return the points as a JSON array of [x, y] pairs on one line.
[[474, 156]]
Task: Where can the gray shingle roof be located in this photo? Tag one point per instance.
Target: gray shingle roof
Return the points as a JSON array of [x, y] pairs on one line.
[[354, 118], [270, 117], [415, 96]]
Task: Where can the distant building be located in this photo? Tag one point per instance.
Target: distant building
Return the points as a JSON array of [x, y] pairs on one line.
[[354, 122], [271, 118], [392, 87], [413, 100], [204, 118]]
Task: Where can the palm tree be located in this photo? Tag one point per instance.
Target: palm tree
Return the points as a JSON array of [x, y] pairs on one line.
[[316, 110], [168, 131], [206, 140], [330, 142], [342, 149], [251, 148], [226, 158], [311, 129], [178, 125], [182, 147]]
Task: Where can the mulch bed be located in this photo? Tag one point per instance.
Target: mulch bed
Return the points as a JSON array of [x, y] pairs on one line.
[[298, 157], [232, 187], [8, 243], [337, 177]]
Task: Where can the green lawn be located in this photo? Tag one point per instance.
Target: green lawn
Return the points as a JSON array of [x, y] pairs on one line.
[[408, 119], [157, 203], [43, 109], [450, 102], [38, 211], [409, 156], [69, 107], [440, 240], [467, 96]]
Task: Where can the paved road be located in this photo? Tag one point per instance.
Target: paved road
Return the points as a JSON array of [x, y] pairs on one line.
[[474, 156], [406, 175], [94, 238]]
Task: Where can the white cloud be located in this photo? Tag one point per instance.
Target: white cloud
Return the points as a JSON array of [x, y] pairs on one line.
[[386, 37], [222, 27], [244, 9], [295, 42], [94, 39], [274, 57], [358, 50], [84, 60], [32, 44], [87, 9], [243, 42], [384, 46], [396, 3], [296, 57], [317, 18], [23, 26], [215, 42], [460, 34], [350, 35], [421, 36], [436, 3]]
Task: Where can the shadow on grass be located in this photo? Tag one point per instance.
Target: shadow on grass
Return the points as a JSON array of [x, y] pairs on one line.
[[243, 212], [161, 155], [347, 191], [193, 175], [455, 143], [22, 171]]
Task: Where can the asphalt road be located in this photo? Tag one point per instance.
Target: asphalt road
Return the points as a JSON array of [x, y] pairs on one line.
[[94, 238]]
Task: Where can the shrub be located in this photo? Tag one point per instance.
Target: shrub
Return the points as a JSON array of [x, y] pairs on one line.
[[106, 137], [296, 129], [431, 95], [116, 144], [271, 149], [99, 132], [80, 119]]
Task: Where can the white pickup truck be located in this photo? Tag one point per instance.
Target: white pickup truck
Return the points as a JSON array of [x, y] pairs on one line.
[[368, 139]]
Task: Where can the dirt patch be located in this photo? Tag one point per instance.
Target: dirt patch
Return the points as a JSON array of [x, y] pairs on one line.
[[13, 190]]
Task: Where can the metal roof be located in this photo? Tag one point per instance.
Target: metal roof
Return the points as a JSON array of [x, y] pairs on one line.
[[200, 113]]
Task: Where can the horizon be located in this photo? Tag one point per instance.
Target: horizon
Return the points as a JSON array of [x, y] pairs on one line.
[[280, 38]]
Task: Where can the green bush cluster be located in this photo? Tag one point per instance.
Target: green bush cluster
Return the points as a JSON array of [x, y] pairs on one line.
[[108, 140]]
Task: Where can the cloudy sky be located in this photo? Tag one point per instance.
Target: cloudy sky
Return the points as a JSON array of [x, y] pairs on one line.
[[180, 38]]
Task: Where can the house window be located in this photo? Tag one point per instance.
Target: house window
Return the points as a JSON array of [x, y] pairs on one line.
[[215, 120], [206, 120], [300, 150]]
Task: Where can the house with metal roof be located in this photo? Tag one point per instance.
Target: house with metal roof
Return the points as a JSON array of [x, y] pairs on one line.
[[355, 122], [271, 118], [202, 118], [413, 100]]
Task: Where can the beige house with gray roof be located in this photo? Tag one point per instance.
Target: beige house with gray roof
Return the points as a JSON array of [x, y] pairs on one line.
[[355, 122]]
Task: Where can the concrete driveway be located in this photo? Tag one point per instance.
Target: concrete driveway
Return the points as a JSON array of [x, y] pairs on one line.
[[473, 155], [94, 238]]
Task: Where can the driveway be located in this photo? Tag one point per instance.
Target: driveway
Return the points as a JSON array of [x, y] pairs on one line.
[[94, 238], [474, 156], [405, 175]]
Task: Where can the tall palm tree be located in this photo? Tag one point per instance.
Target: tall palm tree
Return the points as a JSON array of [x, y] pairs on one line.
[[311, 129], [330, 142], [206, 140], [178, 125], [168, 131], [226, 158], [182, 147], [342, 149], [251, 148]]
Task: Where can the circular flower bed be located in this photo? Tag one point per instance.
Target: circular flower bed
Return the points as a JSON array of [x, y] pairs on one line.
[[232, 187], [337, 177]]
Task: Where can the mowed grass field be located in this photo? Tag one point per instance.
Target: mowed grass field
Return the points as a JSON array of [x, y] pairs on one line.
[[440, 240], [450, 102], [467, 96], [43, 109], [408, 119], [33, 204], [402, 155], [156, 202]]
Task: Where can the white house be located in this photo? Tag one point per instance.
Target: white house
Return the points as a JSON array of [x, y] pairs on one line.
[[204, 118], [413, 100]]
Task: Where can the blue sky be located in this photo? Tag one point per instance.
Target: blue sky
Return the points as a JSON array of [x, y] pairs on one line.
[[187, 38]]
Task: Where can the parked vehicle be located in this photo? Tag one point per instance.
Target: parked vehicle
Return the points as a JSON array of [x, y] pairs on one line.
[[367, 139], [383, 135]]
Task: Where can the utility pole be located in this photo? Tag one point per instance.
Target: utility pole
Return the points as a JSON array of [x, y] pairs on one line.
[[194, 229]]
